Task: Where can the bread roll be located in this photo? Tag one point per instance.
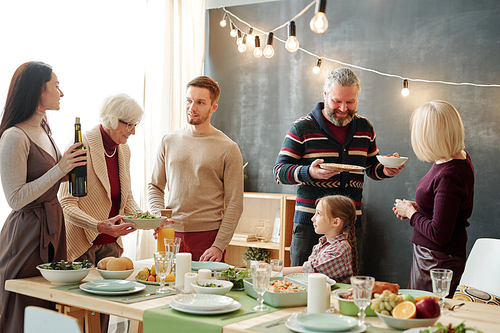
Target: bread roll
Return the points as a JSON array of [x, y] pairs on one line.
[[128, 262], [116, 265], [103, 262]]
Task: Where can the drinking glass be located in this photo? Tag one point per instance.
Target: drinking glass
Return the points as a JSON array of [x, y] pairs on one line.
[[441, 280], [276, 267], [362, 287], [172, 244], [261, 273], [163, 263]]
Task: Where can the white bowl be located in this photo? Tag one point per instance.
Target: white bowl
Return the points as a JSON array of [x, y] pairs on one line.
[[226, 286], [391, 161], [64, 276], [146, 223], [404, 324], [115, 275]]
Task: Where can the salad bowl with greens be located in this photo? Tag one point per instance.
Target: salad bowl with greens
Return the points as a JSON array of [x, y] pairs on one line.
[[65, 272], [145, 220]]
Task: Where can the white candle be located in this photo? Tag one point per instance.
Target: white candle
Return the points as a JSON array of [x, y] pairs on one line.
[[316, 293], [204, 274], [328, 295], [182, 266], [188, 278]]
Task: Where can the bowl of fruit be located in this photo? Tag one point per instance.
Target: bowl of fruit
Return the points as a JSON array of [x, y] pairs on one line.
[[392, 161], [408, 312]]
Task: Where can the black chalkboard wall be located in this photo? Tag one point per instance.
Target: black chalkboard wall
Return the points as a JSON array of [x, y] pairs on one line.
[[448, 40]]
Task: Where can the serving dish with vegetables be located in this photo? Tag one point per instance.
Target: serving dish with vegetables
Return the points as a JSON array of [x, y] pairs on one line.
[[65, 272], [145, 220]]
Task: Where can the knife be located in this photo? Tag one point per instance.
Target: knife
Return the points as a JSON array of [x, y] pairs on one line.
[[139, 296]]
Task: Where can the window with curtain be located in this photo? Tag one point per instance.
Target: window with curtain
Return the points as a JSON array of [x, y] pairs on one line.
[[98, 48]]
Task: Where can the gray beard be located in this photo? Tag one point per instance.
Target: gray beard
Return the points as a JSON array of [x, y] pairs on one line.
[[330, 115]]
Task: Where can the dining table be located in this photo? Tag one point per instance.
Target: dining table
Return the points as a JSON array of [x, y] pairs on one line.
[[150, 313]]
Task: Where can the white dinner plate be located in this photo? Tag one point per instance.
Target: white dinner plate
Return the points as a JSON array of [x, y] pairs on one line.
[[230, 308], [341, 167], [110, 285], [138, 287], [203, 302], [325, 322], [211, 265], [293, 324]]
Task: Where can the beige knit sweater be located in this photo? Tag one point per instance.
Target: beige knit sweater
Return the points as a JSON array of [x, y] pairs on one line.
[[203, 177], [84, 213]]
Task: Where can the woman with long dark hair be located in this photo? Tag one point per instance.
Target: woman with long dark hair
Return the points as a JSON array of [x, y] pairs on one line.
[[31, 169]]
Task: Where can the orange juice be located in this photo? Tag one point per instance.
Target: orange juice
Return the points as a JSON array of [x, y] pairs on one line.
[[165, 232]]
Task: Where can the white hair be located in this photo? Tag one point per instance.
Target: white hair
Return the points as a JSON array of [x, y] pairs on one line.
[[119, 107]]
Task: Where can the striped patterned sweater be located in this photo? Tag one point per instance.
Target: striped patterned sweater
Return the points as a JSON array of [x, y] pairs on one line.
[[308, 139]]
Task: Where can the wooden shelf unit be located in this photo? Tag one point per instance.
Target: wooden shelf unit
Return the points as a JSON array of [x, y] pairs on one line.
[[262, 207]]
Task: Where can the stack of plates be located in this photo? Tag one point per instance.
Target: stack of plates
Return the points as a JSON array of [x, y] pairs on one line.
[[112, 287], [204, 304], [323, 323]]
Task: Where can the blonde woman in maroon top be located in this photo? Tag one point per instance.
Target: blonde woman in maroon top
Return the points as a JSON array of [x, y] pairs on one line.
[[444, 196]]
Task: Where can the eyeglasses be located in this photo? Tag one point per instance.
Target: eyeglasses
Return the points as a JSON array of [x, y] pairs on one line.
[[130, 127]]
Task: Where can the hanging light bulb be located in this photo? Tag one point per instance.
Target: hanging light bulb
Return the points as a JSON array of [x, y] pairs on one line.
[[292, 44], [250, 31], [405, 91], [257, 52], [318, 65], [243, 46], [269, 50], [239, 39], [233, 32], [319, 22], [223, 21]]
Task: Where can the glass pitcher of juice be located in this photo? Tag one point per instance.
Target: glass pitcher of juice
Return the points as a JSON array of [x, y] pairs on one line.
[[165, 232]]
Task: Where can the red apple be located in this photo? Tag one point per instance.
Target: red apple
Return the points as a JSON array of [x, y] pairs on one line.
[[428, 308]]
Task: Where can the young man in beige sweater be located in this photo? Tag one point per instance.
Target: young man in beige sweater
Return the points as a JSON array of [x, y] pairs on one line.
[[201, 172]]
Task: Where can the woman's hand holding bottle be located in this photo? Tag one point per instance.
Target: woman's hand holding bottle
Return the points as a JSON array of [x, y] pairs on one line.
[[72, 159]]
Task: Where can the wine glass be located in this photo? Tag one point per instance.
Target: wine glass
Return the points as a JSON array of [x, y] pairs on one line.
[[362, 287], [276, 267], [441, 280], [261, 273], [172, 244], [163, 263]]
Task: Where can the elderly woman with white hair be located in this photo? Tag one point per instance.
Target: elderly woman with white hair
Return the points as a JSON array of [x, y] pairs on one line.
[[94, 222]]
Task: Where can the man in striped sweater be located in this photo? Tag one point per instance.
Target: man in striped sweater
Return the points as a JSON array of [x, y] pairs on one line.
[[331, 133]]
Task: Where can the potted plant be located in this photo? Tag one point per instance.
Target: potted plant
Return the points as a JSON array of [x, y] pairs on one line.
[[256, 255]]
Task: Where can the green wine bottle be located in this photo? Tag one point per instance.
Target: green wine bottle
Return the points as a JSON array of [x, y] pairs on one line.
[[78, 176]]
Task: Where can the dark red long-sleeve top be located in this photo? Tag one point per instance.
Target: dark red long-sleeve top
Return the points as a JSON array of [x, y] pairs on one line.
[[444, 197]]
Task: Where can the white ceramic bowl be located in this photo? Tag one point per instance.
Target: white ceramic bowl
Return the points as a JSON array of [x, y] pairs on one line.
[[115, 275], [146, 223], [391, 161], [404, 324], [64, 276], [226, 286]]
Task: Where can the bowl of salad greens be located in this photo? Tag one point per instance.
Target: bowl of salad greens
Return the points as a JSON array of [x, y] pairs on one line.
[[236, 276], [65, 272], [218, 287], [145, 220]]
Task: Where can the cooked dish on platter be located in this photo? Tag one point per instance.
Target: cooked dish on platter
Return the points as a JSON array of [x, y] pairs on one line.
[[341, 167]]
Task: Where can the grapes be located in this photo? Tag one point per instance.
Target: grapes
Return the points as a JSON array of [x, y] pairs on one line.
[[385, 302]]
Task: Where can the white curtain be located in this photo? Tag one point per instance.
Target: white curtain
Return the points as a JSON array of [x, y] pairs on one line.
[[148, 49], [175, 51]]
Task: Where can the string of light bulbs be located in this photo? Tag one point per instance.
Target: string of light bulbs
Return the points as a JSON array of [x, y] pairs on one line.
[[318, 24]]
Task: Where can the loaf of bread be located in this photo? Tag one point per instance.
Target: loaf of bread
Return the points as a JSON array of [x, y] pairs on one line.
[[103, 262], [116, 264]]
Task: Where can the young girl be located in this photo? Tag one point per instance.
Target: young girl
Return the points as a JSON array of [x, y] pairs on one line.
[[335, 255]]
